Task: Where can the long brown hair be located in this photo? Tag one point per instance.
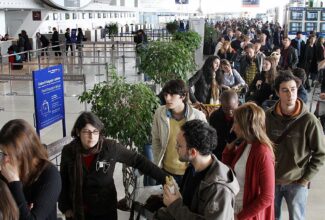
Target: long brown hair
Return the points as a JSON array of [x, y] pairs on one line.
[[20, 142], [251, 120], [8, 206], [272, 73]]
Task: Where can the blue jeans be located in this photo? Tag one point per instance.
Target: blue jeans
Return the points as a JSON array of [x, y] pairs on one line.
[[147, 151], [296, 198]]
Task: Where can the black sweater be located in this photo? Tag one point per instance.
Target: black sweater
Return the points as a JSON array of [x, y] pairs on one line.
[[38, 201]]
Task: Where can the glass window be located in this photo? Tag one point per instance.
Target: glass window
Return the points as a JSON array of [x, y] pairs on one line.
[[74, 16], [104, 15], [310, 26], [55, 16], [99, 15], [296, 15], [295, 26], [322, 27], [67, 16], [90, 15], [311, 15], [322, 17]]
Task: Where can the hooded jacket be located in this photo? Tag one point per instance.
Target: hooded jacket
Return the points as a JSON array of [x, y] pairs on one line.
[[302, 152], [213, 199]]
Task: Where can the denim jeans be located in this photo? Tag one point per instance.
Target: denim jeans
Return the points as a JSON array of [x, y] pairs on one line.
[[147, 151], [296, 198]]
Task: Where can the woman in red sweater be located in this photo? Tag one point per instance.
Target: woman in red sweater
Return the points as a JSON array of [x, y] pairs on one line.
[[253, 163]]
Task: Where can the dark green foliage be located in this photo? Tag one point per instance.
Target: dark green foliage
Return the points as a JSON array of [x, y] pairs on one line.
[[125, 109], [172, 27], [111, 29], [163, 61], [190, 39]]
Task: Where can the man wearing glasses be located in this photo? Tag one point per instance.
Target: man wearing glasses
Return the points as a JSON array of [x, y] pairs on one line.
[[209, 187]]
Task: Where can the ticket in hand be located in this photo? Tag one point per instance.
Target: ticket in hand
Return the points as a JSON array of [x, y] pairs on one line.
[[170, 184]]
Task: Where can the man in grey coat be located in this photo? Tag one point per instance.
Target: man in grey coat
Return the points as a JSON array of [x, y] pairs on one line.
[[209, 187]]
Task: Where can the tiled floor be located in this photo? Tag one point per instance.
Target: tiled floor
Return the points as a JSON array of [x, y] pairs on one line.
[[21, 105]]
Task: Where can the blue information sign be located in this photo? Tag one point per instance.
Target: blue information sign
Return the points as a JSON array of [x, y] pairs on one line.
[[48, 97]]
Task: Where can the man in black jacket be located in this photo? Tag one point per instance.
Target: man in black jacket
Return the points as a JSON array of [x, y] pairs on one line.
[[299, 44], [223, 119], [289, 55]]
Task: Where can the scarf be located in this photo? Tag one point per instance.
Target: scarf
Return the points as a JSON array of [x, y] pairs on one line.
[[77, 194]]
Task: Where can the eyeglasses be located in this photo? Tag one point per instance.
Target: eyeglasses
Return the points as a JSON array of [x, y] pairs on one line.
[[88, 132], [2, 155]]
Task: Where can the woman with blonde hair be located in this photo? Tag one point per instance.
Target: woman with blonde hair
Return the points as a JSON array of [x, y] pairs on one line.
[[253, 163], [261, 89], [33, 180], [8, 207], [226, 51]]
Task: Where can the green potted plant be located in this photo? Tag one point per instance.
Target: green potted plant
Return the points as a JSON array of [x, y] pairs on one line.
[[163, 61], [127, 113], [172, 27], [111, 29], [190, 39]]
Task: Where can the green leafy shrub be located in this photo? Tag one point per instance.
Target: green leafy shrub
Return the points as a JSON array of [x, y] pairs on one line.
[[163, 61], [125, 109], [190, 39]]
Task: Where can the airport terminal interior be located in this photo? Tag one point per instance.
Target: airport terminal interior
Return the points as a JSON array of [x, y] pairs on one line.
[[109, 30]]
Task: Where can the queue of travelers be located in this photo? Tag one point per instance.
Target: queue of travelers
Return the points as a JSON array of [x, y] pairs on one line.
[[260, 145]]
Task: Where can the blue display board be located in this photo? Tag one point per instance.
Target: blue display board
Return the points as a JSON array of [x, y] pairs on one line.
[[49, 97]]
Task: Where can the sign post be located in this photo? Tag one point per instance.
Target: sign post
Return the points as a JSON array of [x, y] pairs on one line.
[[49, 97]]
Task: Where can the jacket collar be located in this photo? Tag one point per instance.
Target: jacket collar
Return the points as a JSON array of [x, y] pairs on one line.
[[170, 115]]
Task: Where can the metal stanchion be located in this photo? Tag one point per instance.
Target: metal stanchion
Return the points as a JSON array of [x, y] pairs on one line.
[[117, 48], [10, 82], [106, 71], [123, 63], [28, 60], [105, 48], [98, 67], [38, 61], [1, 64], [94, 52]]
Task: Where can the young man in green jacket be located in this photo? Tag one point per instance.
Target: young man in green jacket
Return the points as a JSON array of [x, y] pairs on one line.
[[300, 152]]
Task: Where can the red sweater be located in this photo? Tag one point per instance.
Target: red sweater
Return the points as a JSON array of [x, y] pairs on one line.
[[258, 201]]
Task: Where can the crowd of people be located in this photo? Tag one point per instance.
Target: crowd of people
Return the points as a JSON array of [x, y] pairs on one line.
[[261, 145]]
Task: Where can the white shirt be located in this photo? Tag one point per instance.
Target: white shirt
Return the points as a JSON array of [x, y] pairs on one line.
[[240, 170]]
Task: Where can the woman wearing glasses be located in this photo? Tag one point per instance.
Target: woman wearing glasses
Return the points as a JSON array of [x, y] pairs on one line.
[[33, 180], [87, 167]]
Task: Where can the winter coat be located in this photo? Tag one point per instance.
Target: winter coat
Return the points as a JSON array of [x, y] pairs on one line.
[[213, 200]]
